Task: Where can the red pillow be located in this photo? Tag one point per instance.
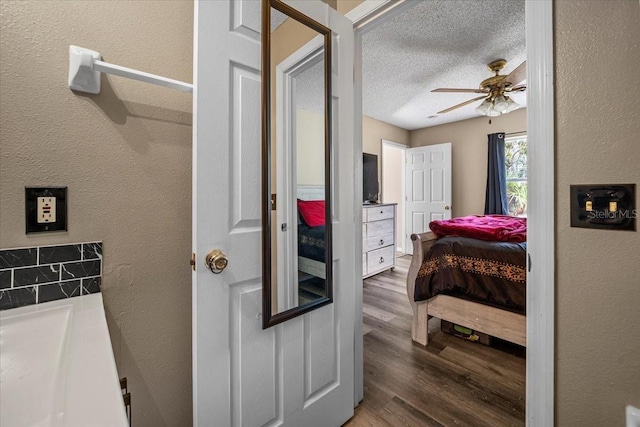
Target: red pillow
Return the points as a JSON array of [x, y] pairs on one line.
[[312, 212]]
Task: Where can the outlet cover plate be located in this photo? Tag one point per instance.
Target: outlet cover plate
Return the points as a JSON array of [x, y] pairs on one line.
[[31, 209]]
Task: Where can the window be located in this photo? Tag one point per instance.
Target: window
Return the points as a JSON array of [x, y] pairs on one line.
[[516, 162]]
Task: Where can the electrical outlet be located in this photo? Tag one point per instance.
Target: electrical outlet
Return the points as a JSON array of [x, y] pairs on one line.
[[46, 209]]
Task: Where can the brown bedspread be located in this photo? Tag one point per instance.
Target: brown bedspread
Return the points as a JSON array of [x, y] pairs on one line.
[[493, 273]]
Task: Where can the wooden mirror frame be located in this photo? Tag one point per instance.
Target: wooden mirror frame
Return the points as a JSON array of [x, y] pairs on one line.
[[268, 318]]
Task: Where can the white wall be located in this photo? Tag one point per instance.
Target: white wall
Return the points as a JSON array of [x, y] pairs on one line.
[[393, 159], [310, 147]]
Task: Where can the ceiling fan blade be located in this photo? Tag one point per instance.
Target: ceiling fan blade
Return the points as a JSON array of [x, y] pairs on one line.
[[461, 104], [517, 75], [519, 88], [445, 89]]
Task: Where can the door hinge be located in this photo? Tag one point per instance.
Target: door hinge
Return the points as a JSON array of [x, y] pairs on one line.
[[193, 261], [273, 202]]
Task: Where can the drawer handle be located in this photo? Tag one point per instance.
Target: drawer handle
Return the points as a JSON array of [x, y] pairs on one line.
[[381, 260], [381, 242]]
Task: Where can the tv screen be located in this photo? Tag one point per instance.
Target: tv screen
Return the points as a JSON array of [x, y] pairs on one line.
[[370, 185]]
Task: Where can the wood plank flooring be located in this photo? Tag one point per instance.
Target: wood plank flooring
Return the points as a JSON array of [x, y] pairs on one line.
[[451, 382]]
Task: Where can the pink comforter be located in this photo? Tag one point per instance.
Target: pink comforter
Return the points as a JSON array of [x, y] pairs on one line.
[[499, 228]]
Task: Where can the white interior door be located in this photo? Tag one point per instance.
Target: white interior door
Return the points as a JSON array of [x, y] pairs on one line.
[[428, 184], [300, 372]]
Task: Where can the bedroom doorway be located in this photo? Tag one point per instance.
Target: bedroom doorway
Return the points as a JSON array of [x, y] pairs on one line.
[[540, 115], [393, 185]]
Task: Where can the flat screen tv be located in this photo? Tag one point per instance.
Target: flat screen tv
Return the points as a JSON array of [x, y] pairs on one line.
[[370, 184]]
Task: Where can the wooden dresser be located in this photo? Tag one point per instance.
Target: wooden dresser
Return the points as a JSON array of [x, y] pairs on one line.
[[378, 238]]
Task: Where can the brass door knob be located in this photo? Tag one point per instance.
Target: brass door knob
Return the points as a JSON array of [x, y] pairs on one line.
[[216, 261]]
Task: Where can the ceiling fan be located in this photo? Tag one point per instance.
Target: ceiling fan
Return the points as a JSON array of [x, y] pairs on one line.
[[495, 90]]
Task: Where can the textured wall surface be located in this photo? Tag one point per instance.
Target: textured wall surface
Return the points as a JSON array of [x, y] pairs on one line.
[[468, 140], [125, 156], [598, 271], [374, 131]]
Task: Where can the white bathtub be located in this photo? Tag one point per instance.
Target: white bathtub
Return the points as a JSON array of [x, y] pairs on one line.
[[57, 366]]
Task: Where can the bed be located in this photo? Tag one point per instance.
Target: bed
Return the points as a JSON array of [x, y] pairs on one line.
[[311, 240], [479, 283], [311, 250]]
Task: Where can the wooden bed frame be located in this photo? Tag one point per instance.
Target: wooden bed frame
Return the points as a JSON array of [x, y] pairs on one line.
[[311, 266], [493, 321]]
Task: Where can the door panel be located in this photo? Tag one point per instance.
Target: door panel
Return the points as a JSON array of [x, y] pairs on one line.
[[320, 352], [428, 188], [246, 159], [246, 18], [418, 186], [254, 361], [299, 372], [437, 186]]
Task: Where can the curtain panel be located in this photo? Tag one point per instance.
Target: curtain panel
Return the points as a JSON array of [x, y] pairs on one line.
[[496, 196]]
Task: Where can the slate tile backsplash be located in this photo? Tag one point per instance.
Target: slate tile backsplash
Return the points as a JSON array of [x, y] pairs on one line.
[[18, 257], [47, 273]]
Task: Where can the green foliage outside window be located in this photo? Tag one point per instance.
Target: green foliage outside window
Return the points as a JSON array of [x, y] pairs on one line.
[[516, 163]]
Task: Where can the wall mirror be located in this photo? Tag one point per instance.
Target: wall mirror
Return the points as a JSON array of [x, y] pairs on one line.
[[296, 164]]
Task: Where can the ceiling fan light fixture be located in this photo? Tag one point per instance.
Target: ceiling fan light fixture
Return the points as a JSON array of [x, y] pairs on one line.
[[493, 112], [511, 105], [483, 108], [500, 104]]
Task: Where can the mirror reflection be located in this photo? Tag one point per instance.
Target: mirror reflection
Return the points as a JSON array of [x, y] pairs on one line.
[[299, 230]]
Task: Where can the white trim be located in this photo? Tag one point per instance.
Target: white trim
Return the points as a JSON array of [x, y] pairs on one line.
[[394, 144], [400, 239], [371, 13], [365, 17], [541, 244], [541, 227]]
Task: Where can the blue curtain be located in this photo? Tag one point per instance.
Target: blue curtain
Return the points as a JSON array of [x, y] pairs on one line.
[[496, 195]]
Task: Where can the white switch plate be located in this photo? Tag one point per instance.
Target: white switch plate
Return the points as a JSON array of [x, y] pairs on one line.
[[46, 210], [633, 416]]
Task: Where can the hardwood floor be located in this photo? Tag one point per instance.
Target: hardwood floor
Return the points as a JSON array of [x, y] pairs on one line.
[[451, 382]]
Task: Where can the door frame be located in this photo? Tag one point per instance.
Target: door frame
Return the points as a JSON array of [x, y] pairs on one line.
[[540, 396], [403, 197]]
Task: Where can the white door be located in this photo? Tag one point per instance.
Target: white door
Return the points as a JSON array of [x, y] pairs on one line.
[[300, 372], [428, 184]]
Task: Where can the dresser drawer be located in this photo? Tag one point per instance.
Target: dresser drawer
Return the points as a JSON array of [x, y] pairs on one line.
[[379, 228], [381, 212], [380, 258], [377, 242]]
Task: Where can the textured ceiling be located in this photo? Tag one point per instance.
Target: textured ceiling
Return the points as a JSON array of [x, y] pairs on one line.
[[310, 88], [441, 43], [277, 19]]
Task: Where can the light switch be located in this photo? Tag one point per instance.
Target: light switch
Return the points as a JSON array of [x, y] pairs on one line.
[[605, 206]]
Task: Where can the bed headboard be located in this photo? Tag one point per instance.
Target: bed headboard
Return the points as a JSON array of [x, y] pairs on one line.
[[310, 192]]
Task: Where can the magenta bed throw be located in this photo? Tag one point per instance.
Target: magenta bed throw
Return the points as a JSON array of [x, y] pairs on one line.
[[498, 228]]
